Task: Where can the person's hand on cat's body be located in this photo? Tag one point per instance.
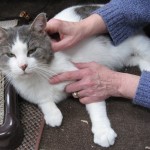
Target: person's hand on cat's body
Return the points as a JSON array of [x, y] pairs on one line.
[[73, 32], [95, 82]]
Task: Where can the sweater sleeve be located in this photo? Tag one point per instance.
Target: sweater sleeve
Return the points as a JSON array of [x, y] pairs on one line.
[[124, 17], [142, 96]]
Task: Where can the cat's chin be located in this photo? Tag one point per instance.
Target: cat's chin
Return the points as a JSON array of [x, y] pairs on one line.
[[25, 75]]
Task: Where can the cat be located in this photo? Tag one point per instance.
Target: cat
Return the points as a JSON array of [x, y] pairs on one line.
[[27, 60]]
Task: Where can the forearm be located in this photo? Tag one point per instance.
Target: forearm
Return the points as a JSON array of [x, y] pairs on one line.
[[122, 20], [92, 25], [133, 87], [128, 85], [142, 96]]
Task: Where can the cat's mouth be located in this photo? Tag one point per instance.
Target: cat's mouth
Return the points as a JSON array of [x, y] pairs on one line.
[[26, 74]]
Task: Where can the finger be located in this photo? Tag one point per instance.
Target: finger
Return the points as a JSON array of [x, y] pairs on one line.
[[67, 76], [82, 65], [81, 85], [75, 86], [56, 45], [85, 93], [86, 100], [59, 45], [90, 99]]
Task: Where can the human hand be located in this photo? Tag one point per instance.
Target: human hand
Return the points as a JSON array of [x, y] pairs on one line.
[[70, 33], [93, 82]]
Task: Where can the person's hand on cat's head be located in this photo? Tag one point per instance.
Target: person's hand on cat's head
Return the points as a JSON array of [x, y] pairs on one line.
[[69, 33]]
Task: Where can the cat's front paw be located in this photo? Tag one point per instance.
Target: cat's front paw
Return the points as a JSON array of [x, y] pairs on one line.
[[104, 137], [54, 119]]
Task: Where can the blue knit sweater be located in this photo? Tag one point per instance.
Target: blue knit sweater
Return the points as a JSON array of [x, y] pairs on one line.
[[124, 18]]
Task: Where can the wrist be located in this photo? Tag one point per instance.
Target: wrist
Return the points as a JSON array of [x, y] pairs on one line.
[[92, 25], [128, 85]]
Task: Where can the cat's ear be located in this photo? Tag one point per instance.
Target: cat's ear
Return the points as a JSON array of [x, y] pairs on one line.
[[3, 35], [39, 23]]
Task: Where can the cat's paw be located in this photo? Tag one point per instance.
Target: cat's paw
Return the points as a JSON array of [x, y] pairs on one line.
[[54, 119], [104, 137]]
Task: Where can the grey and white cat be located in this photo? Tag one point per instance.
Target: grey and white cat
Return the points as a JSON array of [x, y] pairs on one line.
[[27, 60]]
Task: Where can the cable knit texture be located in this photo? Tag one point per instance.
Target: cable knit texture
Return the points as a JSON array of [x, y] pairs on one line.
[[142, 96], [125, 17]]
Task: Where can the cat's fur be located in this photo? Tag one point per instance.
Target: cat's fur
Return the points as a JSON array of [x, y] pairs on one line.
[[27, 60]]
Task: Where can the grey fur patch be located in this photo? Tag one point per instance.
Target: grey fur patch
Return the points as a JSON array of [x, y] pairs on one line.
[[85, 11], [34, 40]]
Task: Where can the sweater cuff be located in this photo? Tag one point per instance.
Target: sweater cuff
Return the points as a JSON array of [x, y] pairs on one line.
[[142, 96], [115, 22]]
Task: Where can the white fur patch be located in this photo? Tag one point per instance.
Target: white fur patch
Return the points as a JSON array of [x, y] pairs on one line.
[[19, 47], [20, 50]]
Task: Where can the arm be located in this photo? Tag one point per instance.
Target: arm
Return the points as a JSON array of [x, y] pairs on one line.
[[92, 25], [96, 82], [142, 96], [131, 86], [124, 17], [121, 18], [128, 84]]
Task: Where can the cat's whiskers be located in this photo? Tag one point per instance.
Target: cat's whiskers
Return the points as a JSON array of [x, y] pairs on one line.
[[2, 79], [40, 70], [43, 73], [46, 69], [6, 79], [7, 82], [49, 72]]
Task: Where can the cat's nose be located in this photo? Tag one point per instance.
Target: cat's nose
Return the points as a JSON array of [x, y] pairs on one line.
[[23, 67]]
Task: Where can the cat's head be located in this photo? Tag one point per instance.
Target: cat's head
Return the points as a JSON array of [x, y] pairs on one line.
[[25, 49]]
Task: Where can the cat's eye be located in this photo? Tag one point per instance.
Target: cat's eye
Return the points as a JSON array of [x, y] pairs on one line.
[[31, 51], [10, 55]]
